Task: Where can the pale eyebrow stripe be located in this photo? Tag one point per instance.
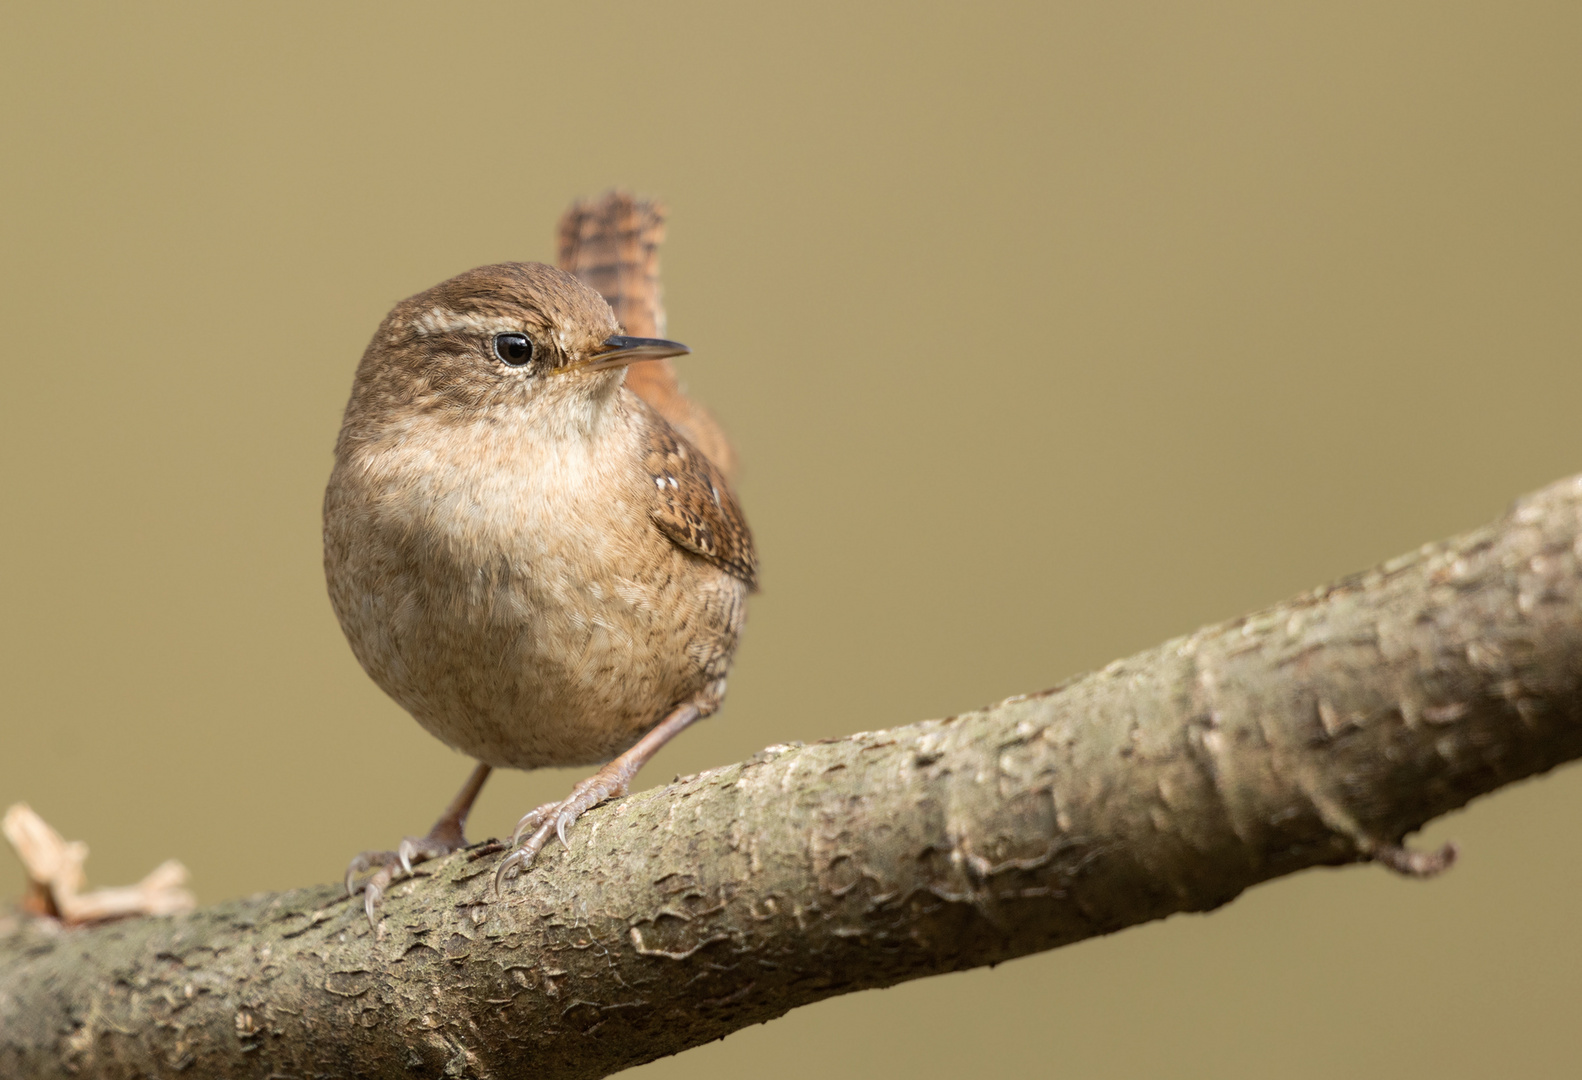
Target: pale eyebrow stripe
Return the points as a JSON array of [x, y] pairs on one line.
[[445, 320]]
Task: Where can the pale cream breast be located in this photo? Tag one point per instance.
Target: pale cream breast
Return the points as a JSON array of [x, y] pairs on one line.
[[498, 576]]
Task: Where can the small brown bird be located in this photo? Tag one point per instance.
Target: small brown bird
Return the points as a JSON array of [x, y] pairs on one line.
[[524, 553]]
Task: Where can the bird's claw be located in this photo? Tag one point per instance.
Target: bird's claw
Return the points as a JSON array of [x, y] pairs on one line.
[[389, 867], [363, 861], [554, 819], [522, 854], [385, 866], [373, 892], [532, 820], [416, 849]]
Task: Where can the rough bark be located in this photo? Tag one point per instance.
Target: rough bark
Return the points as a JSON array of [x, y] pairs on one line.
[[1318, 732]]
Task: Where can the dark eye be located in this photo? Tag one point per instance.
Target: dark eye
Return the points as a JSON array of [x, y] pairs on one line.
[[513, 349]]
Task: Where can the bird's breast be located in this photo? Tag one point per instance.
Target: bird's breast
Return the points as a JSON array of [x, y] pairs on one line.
[[466, 495], [510, 590]]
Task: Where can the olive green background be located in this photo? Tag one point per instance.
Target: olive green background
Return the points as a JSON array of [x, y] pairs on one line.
[[1046, 332]]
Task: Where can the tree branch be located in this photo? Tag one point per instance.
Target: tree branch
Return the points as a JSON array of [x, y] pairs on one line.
[[1318, 732]]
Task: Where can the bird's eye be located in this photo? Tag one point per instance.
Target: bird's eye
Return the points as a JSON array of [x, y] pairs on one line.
[[513, 349]]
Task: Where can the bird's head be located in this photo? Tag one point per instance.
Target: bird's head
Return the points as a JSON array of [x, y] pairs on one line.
[[512, 334]]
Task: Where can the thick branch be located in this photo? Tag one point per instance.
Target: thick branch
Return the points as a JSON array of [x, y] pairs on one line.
[[1318, 732]]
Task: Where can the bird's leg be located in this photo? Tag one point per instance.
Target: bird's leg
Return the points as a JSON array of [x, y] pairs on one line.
[[447, 835], [609, 782]]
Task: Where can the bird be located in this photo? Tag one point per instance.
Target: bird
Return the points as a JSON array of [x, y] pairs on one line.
[[523, 552]]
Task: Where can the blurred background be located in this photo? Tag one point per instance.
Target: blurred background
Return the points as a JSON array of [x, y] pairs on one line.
[[1046, 332]]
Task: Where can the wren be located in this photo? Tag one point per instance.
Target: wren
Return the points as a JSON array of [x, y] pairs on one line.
[[524, 553]]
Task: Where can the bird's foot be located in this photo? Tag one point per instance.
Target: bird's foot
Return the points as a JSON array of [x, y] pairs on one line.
[[390, 867], [557, 818], [609, 782]]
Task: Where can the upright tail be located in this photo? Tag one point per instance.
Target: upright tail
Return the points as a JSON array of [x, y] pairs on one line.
[[612, 243]]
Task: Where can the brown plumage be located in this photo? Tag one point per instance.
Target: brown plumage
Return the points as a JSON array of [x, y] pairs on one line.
[[612, 243], [523, 553], [694, 507]]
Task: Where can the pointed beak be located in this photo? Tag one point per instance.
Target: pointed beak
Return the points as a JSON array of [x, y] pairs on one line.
[[618, 351]]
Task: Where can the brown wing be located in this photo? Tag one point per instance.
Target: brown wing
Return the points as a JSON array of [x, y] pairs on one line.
[[693, 504], [612, 243]]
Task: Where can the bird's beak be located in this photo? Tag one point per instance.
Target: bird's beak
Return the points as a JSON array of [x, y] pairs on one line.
[[618, 351]]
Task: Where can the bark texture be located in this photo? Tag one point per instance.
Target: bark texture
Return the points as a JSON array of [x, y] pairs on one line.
[[1318, 732]]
